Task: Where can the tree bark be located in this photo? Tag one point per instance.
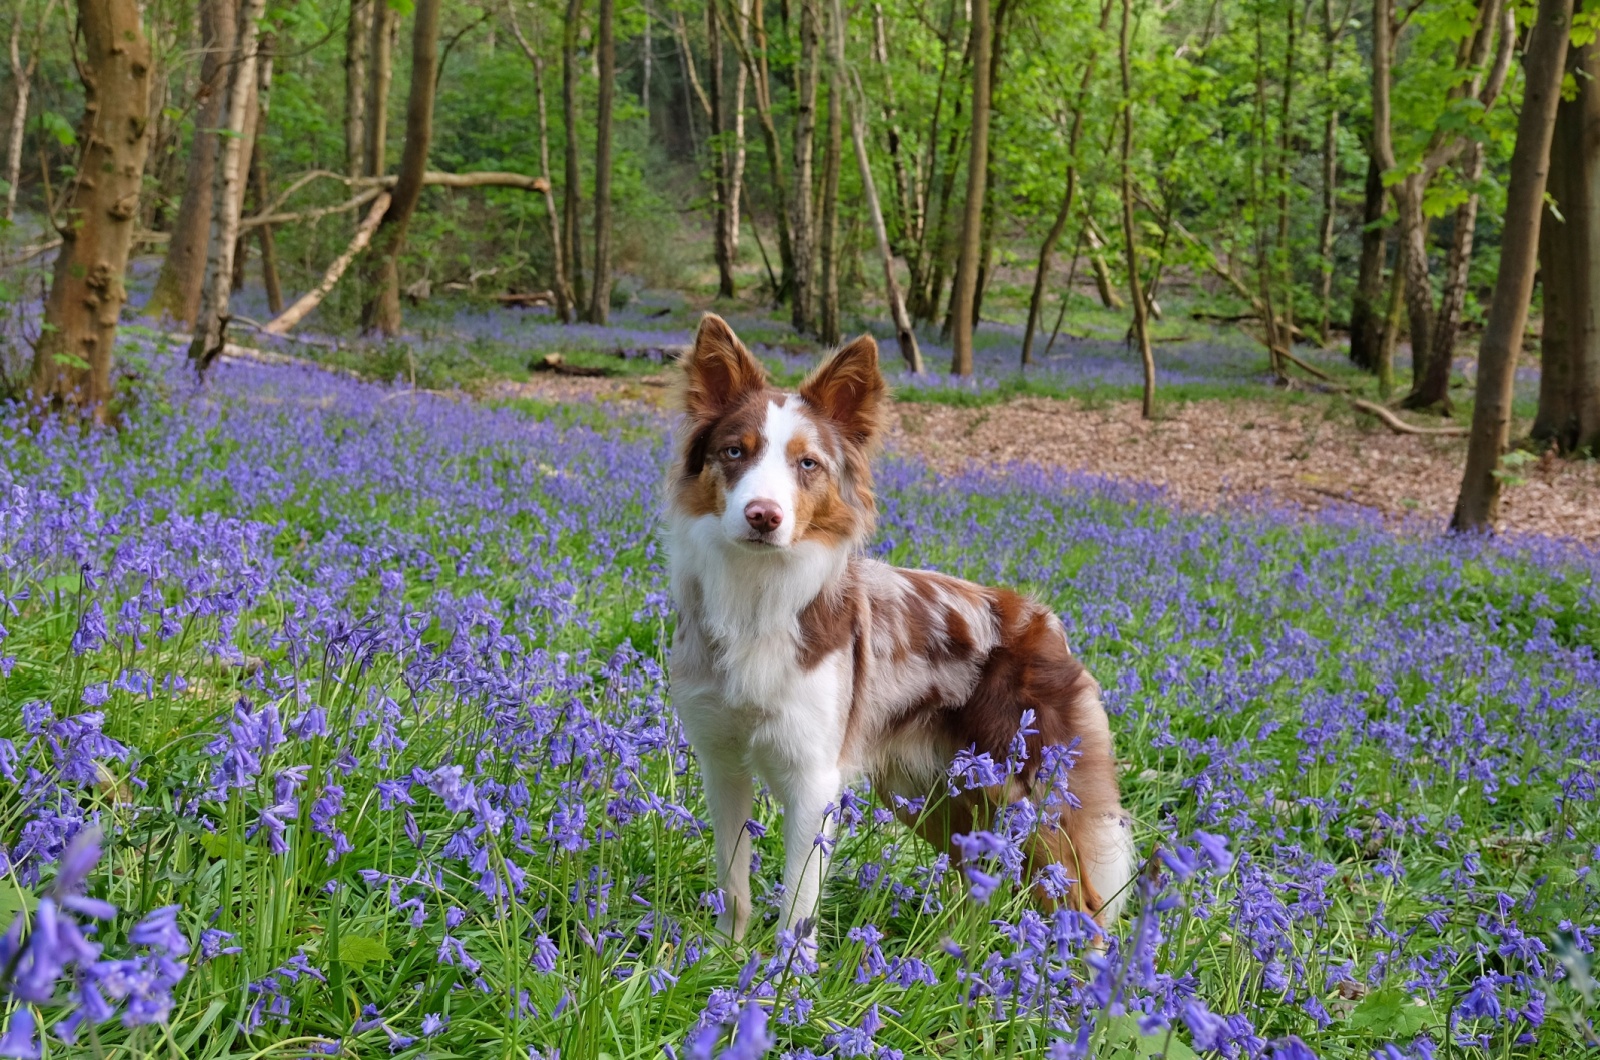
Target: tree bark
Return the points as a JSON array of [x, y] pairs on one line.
[[722, 203], [1544, 62], [380, 74], [828, 329], [176, 294], [803, 223], [1452, 303], [285, 321], [737, 151], [1330, 166], [1393, 324], [750, 39], [572, 185], [1129, 232], [560, 287], [22, 85], [905, 334], [967, 265], [600, 300], [1366, 317], [1569, 259], [358, 32], [72, 360], [382, 311], [227, 191], [1069, 193], [269, 249], [1097, 263]]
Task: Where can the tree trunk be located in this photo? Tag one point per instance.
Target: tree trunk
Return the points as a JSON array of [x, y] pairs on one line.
[[176, 294], [907, 197], [380, 73], [382, 311], [600, 300], [72, 360], [1097, 263], [572, 185], [832, 160], [1129, 232], [563, 292], [22, 83], [1069, 193], [1366, 319], [736, 151], [722, 203], [800, 204], [967, 265], [1569, 259], [358, 32], [905, 334], [1429, 387], [269, 250], [227, 191], [750, 39], [1454, 300], [1393, 324], [1544, 62]]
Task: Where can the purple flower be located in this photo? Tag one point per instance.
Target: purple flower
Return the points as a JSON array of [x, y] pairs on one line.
[[21, 1039]]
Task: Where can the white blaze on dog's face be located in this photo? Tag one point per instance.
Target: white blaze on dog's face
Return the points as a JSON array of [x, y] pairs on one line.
[[777, 469]]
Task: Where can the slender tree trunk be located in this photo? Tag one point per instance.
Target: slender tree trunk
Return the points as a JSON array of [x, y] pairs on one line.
[[722, 202], [380, 74], [572, 185], [1454, 300], [1544, 62], [1283, 252], [269, 249], [227, 191], [357, 39], [176, 294], [560, 288], [967, 265], [1069, 193], [1330, 168], [600, 292], [736, 149], [1393, 324], [1129, 232], [1569, 260], [750, 40], [1366, 319], [800, 206], [832, 160], [1097, 263], [72, 360], [647, 49], [22, 84], [382, 311], [905, 333], [907, 197]]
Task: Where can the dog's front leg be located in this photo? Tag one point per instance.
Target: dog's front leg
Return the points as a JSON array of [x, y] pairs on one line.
[[807, 833], [730, 793]]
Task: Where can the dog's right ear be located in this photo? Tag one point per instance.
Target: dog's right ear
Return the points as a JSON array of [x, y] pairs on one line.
[[719, 370]]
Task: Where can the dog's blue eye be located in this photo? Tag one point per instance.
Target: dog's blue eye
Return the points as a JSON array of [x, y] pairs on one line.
[[807, 464], [733, 452]]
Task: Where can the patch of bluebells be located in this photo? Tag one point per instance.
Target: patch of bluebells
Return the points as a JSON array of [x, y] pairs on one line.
[[397, 662]]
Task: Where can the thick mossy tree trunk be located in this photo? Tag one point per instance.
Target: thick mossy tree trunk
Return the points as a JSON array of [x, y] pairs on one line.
[[600, 294], [382, 311], [971, 250], [176, 294], [1569, 269], [1544, 62], [72, 361]]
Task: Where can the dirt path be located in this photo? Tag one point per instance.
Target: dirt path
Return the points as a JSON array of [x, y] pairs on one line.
[[1207, 453]]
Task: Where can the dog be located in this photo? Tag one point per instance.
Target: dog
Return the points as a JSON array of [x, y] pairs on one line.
[[801, 660]]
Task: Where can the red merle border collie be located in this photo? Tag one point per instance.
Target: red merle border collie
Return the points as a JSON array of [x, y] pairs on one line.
[[800, 660]]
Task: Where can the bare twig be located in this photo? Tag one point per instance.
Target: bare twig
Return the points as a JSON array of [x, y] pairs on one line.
[[1400, 426]]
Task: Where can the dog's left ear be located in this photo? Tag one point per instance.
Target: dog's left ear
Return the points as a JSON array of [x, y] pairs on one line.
[[849, 389]]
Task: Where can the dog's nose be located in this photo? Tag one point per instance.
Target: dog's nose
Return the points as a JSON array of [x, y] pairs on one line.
[[763, 516]]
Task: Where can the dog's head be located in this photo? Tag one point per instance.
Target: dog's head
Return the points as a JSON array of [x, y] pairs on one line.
[[776, 469]]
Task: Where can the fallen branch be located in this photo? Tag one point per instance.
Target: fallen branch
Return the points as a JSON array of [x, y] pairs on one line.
[[373, 185], [554, 362], [1400, 426], [311, 299]]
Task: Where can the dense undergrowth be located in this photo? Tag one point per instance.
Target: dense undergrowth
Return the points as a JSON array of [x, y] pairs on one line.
[[362, 692]]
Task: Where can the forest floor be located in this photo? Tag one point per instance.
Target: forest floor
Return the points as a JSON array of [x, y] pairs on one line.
[[1207, 453]]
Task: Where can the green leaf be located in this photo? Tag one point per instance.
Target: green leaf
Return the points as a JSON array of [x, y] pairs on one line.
[[1390, 1012], [1125, 1042], [359, 949], [221, 847]]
